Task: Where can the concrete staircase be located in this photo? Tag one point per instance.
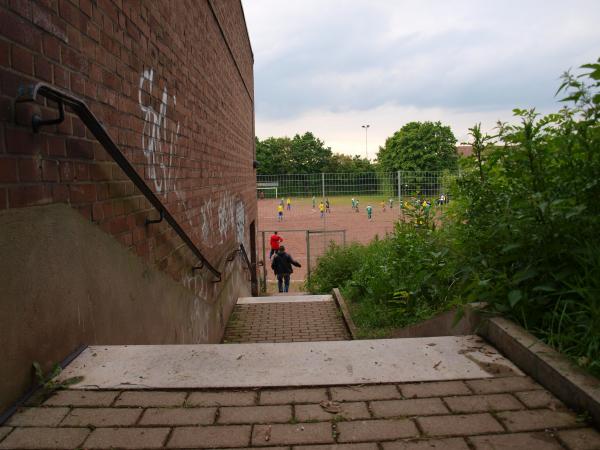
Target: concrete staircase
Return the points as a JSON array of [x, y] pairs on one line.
[[447, 392], [271, 357]]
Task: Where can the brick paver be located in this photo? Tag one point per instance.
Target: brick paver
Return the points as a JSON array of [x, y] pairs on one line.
[[451, 415], [358, 393], [459, 425], [539, 399], [151, 398], [286, 322], [210, 437], [82, 398], [255, 414], [38, 417], [539, 419], [533, 441], [292, 434], [102, 438], [102, 417], [221, 398], [581, 439], [280, 396], [428, 444], [508, 384], [348, 411], [178, 416], [478, 403], [45, 438], [435, 389], [376, 430]]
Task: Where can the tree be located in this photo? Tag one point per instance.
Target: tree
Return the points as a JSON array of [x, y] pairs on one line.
[[425, 146], [308, 154], [341, 163], [272, 155]]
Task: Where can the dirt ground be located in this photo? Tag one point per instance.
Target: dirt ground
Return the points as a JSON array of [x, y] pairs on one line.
[[303, 217]]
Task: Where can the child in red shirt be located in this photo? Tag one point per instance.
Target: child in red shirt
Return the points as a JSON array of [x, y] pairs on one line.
[[275, 241]]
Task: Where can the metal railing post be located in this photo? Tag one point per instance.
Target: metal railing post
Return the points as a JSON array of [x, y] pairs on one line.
[[307, 253], [264, 258]]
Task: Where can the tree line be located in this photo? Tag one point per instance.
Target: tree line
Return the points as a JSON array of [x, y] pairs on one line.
[[428, 146]]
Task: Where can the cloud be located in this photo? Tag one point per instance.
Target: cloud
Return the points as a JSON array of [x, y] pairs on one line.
[[366, 60]]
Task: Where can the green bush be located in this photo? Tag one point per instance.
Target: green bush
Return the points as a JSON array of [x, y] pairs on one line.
[[522, 234]]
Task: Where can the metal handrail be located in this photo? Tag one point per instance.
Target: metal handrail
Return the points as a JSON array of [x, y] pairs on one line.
[[245, 257], [87, 117]]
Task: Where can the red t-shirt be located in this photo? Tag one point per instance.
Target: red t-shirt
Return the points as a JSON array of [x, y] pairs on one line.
[[275, 240]]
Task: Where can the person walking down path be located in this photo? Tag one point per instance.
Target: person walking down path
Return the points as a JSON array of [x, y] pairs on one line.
[[280, 212], [327, 206], [282, 267], [289, 204], [369, 212], [322, 209], [275, 241]]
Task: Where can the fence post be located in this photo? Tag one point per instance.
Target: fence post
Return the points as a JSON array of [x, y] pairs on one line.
[[399, 192], [307, 253], [264, 257]]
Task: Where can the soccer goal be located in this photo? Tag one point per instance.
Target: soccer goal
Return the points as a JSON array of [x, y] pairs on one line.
[[267, 189]]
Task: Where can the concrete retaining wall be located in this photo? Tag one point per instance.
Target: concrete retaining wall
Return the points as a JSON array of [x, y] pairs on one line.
[[66, 283]]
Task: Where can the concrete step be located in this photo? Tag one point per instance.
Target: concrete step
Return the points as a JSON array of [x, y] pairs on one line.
[[287, 364], [284, 298]]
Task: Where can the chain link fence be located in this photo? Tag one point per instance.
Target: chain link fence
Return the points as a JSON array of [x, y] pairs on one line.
[[384, 185]]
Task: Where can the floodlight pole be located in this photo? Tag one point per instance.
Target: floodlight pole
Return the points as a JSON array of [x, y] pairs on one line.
[[366, 127]]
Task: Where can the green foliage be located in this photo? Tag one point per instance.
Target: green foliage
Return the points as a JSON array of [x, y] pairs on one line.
[[48, 384], [424, 146], [391, 282], [522, 233], [529, 220], [304, 154]]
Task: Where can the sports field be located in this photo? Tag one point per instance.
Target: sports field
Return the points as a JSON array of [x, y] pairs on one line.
[[303, 217]]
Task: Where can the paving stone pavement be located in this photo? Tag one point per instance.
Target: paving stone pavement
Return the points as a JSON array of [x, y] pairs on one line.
[[286, 322], [494, 414]]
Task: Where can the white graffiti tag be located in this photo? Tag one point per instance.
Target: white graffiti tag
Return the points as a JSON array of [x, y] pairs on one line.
[[158, 141]]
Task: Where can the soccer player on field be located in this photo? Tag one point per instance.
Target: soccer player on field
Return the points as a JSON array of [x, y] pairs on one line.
[[383, 205], [314, 202], [327, 206], [369, 211], [322, 209], [289, 204], [353, 203], [280, 212]]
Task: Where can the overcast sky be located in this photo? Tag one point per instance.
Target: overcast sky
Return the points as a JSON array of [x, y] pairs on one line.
[[330, 66]]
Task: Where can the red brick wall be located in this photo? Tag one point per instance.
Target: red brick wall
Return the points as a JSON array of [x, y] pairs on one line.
[[172, 82]]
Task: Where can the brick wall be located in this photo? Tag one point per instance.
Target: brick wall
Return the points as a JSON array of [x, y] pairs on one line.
[[172, 82]]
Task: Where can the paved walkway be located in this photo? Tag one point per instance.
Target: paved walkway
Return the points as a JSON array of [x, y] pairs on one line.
[[487, 414], [277, 319], [157, 399]]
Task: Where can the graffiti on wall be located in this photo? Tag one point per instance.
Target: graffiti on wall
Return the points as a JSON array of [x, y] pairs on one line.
[[222, 220], [159, 139]]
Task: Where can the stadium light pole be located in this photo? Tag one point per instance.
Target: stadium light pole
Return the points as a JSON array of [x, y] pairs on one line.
[[366, 127]]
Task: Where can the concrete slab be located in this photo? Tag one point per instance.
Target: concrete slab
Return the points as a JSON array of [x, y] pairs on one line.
[[290, 364], [284, 299]]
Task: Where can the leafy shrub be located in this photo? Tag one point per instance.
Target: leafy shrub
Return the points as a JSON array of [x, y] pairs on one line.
[[522, 234]]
